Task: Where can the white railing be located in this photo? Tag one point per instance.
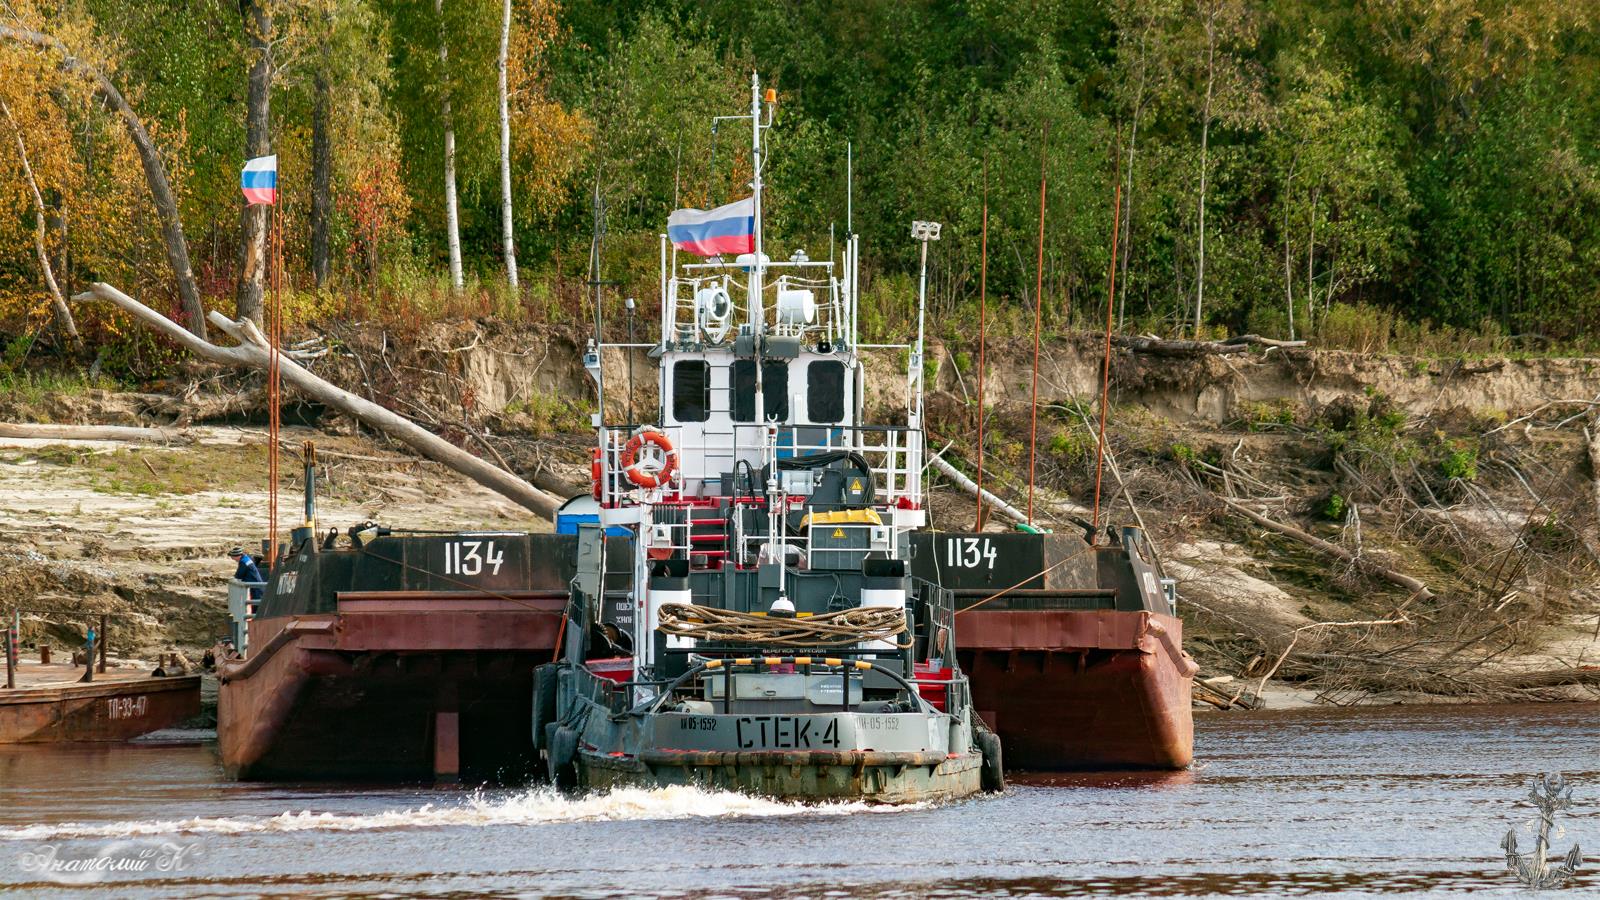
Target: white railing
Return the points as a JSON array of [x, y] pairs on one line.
[[682, 316], [242, 609], [893, 455]]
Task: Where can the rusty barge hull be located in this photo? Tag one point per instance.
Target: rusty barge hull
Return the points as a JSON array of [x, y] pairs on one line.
[[374, 664], [1074, 654], [1082, 690], [108, 710], [389, 689]]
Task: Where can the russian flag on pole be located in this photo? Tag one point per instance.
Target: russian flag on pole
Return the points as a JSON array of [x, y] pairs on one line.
[[259, 180], [714, 232]]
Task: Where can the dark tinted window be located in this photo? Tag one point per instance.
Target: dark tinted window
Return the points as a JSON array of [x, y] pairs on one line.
[[691, 391], [825, 391], [774, 386]]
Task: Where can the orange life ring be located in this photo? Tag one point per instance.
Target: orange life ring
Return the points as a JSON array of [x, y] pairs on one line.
[[597, 471], [630, 455]]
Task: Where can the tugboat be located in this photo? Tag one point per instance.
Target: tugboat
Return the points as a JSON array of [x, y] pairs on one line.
[[773, 637]]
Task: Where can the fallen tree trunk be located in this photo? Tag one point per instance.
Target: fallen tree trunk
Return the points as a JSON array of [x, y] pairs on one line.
[[254, 352], [1162, 347], [93, 433], [971, 487], [1366, 566]]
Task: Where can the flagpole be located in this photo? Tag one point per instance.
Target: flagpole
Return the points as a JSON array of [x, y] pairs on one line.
[[274, 406]]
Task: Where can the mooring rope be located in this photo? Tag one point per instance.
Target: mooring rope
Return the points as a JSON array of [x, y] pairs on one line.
[[830, 629]]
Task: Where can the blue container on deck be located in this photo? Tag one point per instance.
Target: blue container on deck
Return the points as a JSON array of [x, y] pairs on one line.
[[583, 510]]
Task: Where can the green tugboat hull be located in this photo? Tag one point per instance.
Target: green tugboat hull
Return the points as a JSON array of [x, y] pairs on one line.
[[810, 776]]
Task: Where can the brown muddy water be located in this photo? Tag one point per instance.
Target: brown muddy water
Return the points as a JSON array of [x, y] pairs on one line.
[[1344, 803]]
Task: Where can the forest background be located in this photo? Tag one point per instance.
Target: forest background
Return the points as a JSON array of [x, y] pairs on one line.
[[1417, 175]]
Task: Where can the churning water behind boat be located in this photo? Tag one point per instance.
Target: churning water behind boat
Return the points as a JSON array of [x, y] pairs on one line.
[[1335, 803]]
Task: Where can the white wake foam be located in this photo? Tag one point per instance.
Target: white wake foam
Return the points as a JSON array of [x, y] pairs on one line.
[[540, 806]]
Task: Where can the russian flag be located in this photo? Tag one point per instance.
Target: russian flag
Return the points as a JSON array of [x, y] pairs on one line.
[[726, 229], [259, 180]]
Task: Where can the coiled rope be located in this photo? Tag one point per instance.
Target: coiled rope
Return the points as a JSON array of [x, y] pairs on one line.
[[830, 629]]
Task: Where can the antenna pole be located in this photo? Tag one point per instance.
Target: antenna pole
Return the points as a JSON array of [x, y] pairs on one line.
[[1038, 318], [983, 309], [1105, 370], [849, 188], [755, 185]]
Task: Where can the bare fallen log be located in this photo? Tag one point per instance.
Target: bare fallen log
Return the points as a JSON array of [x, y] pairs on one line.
[[254, 352], [132, 433], [1362, 564], [1584, 676], [1155, 346], [971, 487]]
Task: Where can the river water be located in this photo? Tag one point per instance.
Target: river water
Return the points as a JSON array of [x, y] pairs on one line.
[[1395, 800]]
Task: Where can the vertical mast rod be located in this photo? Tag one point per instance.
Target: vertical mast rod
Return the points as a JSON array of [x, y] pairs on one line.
[[1105, 371], [983, 309], [1038, 318]]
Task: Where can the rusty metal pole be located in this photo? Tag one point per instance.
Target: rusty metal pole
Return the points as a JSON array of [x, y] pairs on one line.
[[104, 626], [12, 628]]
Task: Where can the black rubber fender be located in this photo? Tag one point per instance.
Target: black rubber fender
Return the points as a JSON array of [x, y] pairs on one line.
[[544, 701], [994, 772], [561, 755]]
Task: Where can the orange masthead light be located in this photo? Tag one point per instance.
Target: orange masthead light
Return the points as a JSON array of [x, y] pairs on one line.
[[772, 96]]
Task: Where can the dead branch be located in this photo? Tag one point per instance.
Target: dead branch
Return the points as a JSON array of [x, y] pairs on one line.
[[1162, 347], [155, 171], [63, 313], [254, 352], [1294, 637], [1363, 564], [1592, 439]]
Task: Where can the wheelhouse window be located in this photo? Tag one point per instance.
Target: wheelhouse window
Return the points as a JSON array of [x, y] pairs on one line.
[[691, 391], [774, 387], [825, 391]]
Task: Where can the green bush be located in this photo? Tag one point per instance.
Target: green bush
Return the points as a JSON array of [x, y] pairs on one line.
[[1335, 507], [1073, 446], [1460, 462]]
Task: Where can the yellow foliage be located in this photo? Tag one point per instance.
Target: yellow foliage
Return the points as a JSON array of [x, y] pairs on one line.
[[549, 141]]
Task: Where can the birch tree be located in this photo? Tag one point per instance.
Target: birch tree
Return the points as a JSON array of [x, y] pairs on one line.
[[1228, 96], [506, 235], [1143, 73], [452, 222]]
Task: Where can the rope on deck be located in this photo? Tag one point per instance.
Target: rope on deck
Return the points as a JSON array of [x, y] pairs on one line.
[[830, 629]]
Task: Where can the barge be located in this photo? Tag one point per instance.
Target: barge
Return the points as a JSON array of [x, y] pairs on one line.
[[51, 704]]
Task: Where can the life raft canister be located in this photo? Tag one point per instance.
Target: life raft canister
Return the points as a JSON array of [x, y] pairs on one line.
[[597, 471], [630, 459]]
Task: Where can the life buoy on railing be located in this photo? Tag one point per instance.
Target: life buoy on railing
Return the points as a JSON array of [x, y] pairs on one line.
[[597, 472], [631, 464]]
